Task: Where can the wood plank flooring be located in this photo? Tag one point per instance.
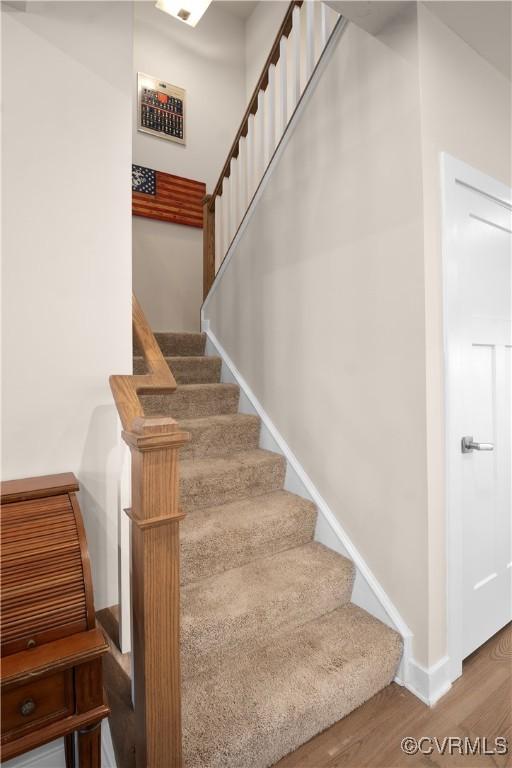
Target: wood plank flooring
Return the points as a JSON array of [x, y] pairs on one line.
[[479, 704]]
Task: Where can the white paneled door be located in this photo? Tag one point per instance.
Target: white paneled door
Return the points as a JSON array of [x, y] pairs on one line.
[[478, 262]]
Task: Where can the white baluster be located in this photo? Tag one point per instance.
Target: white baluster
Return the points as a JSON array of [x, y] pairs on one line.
[[226, 205], [310, 40], [295, 59], [234, 197], [324, 31], [270, 115], [283, 87], [251, 147], [218, 232], [243, 200], [259, 120]]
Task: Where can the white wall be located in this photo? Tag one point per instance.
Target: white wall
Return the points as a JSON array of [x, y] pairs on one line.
[[466, 111], [322, 306], [66, 252], [168, 273], [331, 307], [209, 62]]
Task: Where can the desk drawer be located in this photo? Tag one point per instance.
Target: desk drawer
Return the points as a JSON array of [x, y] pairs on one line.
[[37, 703]]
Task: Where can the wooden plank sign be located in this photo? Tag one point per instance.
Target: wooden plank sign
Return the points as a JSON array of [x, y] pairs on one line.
[[165, 197]]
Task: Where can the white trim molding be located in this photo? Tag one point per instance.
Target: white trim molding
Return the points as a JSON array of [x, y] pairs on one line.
[[430, 684], [368, 593], [48, 756], [52, 755]]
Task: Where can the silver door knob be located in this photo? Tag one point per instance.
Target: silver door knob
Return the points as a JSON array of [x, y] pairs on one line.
[[467, 445]]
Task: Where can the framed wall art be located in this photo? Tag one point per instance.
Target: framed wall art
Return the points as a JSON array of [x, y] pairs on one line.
[[163, 196], [160, 108]]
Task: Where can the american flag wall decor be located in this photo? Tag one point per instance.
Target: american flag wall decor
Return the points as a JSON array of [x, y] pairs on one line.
[[165, 197]]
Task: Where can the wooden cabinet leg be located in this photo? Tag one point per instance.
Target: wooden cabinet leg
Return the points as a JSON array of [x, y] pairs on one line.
[[89, 747], [69, 750]]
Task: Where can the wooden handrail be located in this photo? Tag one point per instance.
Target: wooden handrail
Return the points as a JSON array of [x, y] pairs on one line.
[[272, 58], [155, 551], [158, 380]]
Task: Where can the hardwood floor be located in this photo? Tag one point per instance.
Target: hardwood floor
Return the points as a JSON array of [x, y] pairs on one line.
[[479, 704]]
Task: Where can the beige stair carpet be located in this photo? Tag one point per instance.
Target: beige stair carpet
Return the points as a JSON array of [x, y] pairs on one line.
[[273, 651], [221, 538], [247, 606]]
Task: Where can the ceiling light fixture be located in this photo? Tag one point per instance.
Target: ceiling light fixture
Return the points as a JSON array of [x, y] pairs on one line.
[[188, 11]]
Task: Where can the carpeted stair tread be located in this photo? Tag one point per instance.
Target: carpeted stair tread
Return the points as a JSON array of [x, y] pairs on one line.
[[217, 539], [192, 369], [178, 344], [219, 480], [272, 649], [191, 401], [220, 435], [246, 606], [262, 705]]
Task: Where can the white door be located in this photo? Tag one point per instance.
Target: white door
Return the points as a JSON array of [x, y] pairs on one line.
[[478, 272]]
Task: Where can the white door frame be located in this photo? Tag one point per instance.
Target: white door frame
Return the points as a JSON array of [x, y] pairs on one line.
[[453, 173]]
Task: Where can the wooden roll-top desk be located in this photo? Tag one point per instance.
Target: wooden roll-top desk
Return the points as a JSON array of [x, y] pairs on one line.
[[51, 671]]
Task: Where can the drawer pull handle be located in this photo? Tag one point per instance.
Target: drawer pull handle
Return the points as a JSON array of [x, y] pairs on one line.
[[27, 707]]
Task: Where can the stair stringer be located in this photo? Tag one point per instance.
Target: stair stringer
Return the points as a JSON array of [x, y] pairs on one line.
[[367, 593]]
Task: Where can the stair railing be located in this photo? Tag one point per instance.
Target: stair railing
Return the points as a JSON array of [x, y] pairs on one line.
[[297, 48], [155, 515]]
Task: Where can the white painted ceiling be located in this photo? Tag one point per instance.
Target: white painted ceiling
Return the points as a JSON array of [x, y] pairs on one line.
[[485, 25], [372, 16], [240, 8]]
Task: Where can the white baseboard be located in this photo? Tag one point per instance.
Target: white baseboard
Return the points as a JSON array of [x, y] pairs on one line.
[[108, 758], [430, 684], [52, 755], [368, 593], [48, 756]]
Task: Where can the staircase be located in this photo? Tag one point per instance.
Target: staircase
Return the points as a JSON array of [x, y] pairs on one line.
[[272, 649]]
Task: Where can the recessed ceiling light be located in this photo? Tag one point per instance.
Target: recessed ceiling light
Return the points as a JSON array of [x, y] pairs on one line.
[[188, 11]]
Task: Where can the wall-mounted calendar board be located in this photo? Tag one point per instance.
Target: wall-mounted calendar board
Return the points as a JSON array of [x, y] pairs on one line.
[[160, 108]]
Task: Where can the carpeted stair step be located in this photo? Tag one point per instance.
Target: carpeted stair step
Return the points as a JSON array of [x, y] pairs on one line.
[[220, 435], [246, 606], [219, 480], [262, 705], [188, 370], [177, 344], [217, 539], [193, 401]]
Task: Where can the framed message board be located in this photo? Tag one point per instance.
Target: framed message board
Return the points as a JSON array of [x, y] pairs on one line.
[[160, 108]]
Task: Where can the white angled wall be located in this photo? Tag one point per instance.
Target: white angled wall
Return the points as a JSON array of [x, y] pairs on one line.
[[66, 252], [331, 305], [321, 306]]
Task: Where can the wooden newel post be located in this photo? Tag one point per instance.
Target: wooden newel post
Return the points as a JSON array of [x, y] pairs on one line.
[[155, 516], [208, 244]]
